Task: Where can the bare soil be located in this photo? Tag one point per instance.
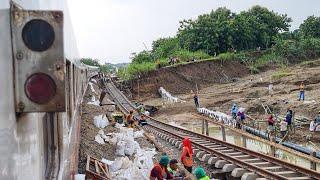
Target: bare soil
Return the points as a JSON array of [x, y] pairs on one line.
[[251, 92]]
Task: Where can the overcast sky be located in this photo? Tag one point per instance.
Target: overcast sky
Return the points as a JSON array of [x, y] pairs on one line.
[[111, 30]]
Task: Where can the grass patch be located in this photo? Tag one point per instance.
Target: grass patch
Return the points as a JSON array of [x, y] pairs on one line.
[[134, 69], [280, 74], [310, 63]]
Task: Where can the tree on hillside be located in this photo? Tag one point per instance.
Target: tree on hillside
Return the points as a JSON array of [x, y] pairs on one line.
[[143, 56], [311, 27], [164, 47], [90, 61], [221, 30]]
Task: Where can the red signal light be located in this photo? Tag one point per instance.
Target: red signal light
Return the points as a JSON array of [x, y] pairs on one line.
[[40, 88]]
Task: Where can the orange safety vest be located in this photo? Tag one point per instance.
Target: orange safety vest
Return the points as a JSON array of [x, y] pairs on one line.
[[187, 161]]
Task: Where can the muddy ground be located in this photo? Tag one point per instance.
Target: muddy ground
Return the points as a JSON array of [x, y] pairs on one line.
[[251, 92]]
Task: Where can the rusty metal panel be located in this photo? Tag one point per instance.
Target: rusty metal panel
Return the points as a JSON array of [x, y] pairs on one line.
[[37, 40]]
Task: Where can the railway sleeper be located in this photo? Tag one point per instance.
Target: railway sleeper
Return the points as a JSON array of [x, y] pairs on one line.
[[228, 168], [238, 172], [249, 176], [220, 163]]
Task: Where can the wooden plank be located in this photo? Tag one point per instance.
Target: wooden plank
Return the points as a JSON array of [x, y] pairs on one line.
[[285, 172], [102, 168], [271, 167], [88, 163], [254, 159], [96, 166], [299, 178], [260, 163]]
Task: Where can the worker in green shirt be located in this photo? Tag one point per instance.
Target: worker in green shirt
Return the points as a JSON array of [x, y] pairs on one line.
[[201, 174]]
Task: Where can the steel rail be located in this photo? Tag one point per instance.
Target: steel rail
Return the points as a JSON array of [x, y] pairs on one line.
[[119, 97], [250, 167], [261, 156]]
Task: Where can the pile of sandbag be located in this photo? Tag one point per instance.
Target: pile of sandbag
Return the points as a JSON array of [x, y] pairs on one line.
[[138, 168], [91, 87], [221, 117], [167, 96]]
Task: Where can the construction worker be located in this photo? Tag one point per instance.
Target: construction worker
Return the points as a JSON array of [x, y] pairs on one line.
[[201, 174], [186, 155], [173, 168], [142, 120], [271, 122], [160, 171], [196, 99], [283, 127], [301, 95], [102, 95], [289, 116], [234, 111], [129, 119], [317, 121]]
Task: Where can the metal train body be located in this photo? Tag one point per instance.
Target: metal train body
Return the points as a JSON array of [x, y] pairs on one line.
[[39, 145]]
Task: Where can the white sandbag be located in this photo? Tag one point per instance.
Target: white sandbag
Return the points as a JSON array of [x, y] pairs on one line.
[[147, 113], [116, 165], [125, 162], [138, 134], [107, 162], [91, 87], [93, 80], [100, 121], [101, 132], [113, 140], [120, 148], [80, 177], [94, 101], [98, 139], [129, 147]]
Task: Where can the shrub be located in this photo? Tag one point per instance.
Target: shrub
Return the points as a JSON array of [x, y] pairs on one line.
[[227, 56], [280, 74]]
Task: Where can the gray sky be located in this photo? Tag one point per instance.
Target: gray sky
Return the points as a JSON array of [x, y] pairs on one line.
[[111, 30]]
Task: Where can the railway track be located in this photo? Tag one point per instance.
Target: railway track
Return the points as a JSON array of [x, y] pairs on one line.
[[237, 160]]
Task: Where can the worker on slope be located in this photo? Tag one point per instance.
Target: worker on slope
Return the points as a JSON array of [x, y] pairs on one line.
[[201, 174], [316, 122], [301, 95], [196, 99], [186, 155], [271, 122], [289, 118], [160, 171], [129, 119], [234, 111], [143, 120], [241, 117], [174, 170], [283, 127]]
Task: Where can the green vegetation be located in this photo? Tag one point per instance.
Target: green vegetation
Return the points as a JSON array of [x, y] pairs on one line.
[[257, 37], [280, 74]]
